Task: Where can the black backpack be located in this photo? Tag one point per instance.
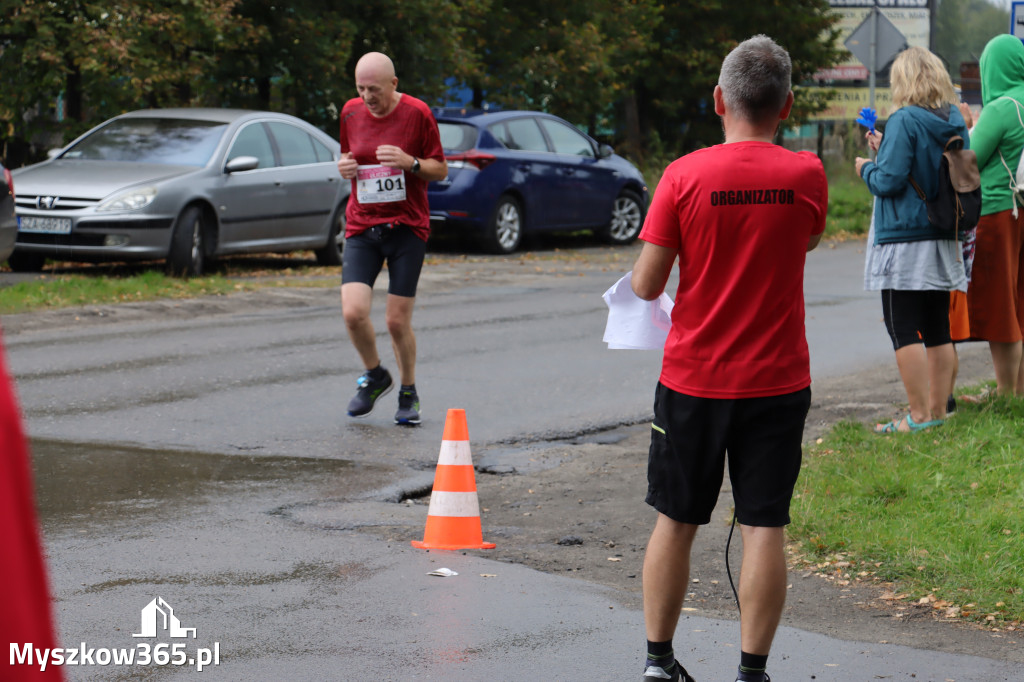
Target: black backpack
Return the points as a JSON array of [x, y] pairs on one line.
[[956, 207]]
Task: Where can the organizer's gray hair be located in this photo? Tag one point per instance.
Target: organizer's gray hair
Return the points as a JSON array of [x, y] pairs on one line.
[[756, 79]]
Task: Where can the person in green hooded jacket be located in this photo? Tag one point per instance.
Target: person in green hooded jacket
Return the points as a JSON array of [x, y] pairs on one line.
[[995, 297]]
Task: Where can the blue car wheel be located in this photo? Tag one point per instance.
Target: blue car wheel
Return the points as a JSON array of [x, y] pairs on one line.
[[626, 220], [505, 232]]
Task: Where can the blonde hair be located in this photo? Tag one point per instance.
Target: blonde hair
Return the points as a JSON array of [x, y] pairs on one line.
[[919, 78]]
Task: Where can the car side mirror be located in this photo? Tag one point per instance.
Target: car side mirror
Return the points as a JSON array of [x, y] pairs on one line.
[[604, 151], [242, 163]]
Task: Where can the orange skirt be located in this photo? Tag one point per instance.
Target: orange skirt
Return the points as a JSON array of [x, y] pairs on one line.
[[995, 296], [959, 321]]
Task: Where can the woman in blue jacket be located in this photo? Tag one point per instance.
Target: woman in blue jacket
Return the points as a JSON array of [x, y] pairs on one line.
[[914, 265]]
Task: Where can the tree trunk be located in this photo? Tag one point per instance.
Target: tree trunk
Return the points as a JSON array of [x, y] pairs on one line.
[[73, 108], [183, 93], [263, 92], [634, 139]]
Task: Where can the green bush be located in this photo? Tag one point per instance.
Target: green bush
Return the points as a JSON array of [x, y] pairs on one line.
[[849, 206]]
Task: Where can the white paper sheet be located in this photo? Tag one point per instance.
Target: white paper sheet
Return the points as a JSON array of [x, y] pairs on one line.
[[633, 323]]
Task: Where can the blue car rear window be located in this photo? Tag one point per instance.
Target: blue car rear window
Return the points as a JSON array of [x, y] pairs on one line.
[[457, 136], [181, 142], [520, 134]]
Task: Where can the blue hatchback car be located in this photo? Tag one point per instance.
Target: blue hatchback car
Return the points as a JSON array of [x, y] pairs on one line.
[[512, 173]]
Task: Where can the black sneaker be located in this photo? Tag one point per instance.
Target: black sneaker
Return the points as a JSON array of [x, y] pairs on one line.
[[766, 678], [368, 391], [408, 413], [654, 674]]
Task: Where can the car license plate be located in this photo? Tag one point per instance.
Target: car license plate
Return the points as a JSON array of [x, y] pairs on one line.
[[45, 225]]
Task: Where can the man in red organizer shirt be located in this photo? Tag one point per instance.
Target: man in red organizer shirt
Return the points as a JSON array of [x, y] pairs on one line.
[[740, 218], [391, 149], [26, 613]]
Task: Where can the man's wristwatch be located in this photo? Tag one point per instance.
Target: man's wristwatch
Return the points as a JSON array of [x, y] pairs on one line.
[[415, 165]]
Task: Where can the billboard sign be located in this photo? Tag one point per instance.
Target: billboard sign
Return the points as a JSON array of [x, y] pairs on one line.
[[910, 18], [847, 102], [888, 42]]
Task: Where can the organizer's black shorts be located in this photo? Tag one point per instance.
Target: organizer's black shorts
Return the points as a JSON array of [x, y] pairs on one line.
[[916, 317], [689, 441], [366, 252]]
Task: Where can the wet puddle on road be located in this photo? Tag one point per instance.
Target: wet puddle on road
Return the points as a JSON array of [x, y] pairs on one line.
[[102, 482]]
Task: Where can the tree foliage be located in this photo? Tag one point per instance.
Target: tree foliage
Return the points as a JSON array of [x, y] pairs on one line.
[[575, 60], [93, 60], [691, 42], [635, 70], [962, 28]]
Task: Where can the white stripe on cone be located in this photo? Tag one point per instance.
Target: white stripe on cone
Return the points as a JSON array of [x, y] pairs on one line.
[[455, 452], [453, 504]]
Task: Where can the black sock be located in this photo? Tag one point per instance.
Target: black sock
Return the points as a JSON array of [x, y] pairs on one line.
[[661, 655], [377, 373], [752, 667], [410, 388]]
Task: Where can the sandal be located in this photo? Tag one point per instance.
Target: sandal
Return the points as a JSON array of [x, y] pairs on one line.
[[978, 399], [912, 426]]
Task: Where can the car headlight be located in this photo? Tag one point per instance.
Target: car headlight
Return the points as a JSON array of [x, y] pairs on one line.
[[131, 200]]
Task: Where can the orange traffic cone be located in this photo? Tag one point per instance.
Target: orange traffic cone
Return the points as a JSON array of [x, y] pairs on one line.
[[453, 519]]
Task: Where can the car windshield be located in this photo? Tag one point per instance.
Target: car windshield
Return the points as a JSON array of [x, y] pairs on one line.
[[173, 141], [457, 136]]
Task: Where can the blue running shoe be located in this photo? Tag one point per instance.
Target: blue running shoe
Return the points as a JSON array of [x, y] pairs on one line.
[[408, 413], [369, 390], [678, 674]]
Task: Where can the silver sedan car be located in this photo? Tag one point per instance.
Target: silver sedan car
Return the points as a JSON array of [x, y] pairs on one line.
[[183, 185]]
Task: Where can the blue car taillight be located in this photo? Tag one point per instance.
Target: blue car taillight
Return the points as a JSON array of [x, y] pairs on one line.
[[473, 159]]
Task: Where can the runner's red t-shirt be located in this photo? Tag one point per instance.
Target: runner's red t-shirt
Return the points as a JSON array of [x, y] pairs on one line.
[[410, 126], [740, 216]]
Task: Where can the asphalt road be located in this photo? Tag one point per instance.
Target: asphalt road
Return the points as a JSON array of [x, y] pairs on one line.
[[518, 344], [521, 351], [198, 452]]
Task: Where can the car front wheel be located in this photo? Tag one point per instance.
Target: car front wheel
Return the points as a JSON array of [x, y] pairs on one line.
[[626, 220], [330, 254], [23, 261], [188, 243], [505, 232]]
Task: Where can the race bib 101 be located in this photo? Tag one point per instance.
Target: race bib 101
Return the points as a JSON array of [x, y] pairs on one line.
[[378, 184]]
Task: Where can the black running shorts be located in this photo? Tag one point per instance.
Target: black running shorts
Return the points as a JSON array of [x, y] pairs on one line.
[[366, 252], [689, 440]]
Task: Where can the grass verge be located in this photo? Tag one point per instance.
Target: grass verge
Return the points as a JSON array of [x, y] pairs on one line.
[[71, 284], [849, 207], [66, 290], [936, 516]]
